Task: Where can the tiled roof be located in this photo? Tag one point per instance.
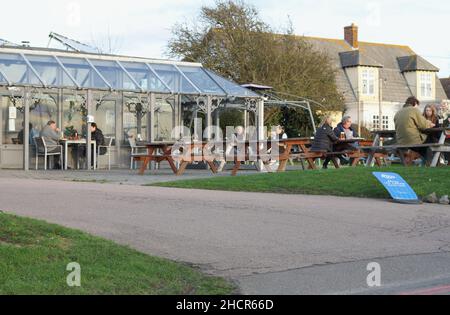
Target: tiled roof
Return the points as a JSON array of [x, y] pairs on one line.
[[446, 85], [415, 63], [395, 88], [356, 58]]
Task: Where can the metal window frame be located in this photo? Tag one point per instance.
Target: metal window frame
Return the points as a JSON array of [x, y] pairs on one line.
[[200, 92], [99, 74], [159, 78], [67, 72], [214, 80], [6, 78], [130, 76], [44, 84]]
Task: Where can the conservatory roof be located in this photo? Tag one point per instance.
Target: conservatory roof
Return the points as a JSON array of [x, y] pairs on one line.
[[51, 68]]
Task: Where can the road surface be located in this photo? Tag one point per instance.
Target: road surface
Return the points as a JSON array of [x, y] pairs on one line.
[[266, 243]]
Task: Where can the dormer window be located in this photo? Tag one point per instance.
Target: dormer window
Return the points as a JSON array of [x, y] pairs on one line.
[[426, 85], [368, 82]]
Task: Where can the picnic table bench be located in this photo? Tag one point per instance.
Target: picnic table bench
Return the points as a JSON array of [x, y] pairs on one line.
[[401, 150]]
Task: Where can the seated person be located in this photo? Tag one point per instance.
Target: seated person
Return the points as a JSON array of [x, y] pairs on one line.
[[430, 114], [324, 139], [33, 134], [409, 124], [345, 127], [97, 136], [52, 134]]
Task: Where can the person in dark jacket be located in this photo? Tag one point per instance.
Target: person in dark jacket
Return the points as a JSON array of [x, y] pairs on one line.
[[324, 139], [346, 127], [97, 136]]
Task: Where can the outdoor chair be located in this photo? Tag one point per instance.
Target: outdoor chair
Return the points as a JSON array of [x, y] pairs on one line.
[[42, 149], [136, 152], [108, 146]]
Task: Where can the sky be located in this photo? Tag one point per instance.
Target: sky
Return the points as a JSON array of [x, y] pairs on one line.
[[143, 28]]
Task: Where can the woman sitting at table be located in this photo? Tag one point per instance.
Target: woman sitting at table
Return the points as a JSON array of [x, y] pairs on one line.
[[324, 139], [430, 113]]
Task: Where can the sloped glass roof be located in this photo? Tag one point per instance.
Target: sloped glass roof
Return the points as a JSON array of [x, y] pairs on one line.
[[100, 72], [230, 87]]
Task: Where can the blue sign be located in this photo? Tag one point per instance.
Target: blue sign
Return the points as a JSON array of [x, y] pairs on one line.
[[397, 187]]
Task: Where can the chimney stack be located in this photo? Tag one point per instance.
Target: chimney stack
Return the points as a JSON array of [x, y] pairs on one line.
[[351, 35]]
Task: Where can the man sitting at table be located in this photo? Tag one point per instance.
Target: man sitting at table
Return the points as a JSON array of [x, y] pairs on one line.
[[345, 128], [409, 124], [51, 135]]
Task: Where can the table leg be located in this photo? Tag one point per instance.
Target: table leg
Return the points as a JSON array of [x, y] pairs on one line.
[[95, 156], [66, 149], [182, 168], [236, 168], [283, 165], [144, 165], [213, 167]]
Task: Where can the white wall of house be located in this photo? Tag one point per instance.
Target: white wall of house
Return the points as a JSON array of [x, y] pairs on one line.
[[419, 81], [369, 113]]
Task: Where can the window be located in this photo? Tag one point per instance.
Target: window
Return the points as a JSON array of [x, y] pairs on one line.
[[376, 122], [385, 122], [426, 85], [368, 82]]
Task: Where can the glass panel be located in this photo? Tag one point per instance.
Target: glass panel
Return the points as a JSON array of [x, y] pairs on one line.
[[13, 118], [135, 118], [43, 108], [172, 77], [147, 80], [106, 117], [233, 89], [17, 71], [50, 71], [202, 80], [83, 73], [115, 76], [163, 120], [74, 114], [2, 79]]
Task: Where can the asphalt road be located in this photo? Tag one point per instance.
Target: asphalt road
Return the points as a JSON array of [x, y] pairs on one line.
[[267, 243]]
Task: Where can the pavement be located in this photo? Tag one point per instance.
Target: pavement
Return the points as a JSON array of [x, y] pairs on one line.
[[265, 243]]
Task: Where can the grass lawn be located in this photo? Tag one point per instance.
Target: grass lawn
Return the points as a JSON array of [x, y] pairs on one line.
[[356, 182], [34, 256]]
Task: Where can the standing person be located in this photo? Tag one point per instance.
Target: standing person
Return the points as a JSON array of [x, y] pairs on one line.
[[324, 139], [409, 123], [52, 134]]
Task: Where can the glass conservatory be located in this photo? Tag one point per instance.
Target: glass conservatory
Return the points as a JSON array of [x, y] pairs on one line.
[[128, 97]]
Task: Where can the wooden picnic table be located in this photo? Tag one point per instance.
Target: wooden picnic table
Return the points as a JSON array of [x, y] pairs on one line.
[[157, 152], [196, 151], [436, 148]]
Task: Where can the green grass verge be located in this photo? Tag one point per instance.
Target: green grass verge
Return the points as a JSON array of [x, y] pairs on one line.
[[34, 256], [356, 182]]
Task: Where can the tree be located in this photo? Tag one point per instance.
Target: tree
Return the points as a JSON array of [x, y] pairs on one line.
[[232, 39]]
